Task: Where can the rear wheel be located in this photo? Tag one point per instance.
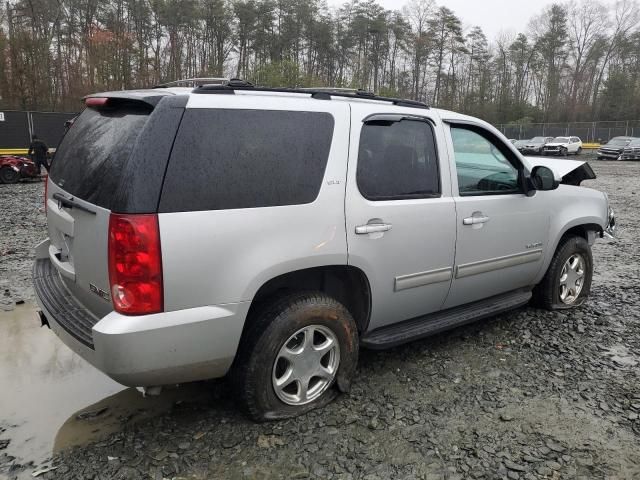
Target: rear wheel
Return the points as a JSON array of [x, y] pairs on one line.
[[293, 355], [579, 151], [567, 282], [9, 175]]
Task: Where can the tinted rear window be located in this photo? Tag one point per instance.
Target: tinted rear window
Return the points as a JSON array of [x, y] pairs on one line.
[[89, 162], [226, 159]]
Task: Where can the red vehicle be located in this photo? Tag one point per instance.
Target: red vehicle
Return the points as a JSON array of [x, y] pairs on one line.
[[14, 168]]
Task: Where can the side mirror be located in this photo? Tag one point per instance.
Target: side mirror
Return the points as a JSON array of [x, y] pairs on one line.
[[543, 179]]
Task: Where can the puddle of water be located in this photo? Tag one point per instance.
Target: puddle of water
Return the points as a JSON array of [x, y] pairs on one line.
[[621, 356], [51, 399]]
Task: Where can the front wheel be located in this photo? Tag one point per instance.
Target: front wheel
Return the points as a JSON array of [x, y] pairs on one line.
[[567, 282], [9, 175], [296, 351], [564, 152]]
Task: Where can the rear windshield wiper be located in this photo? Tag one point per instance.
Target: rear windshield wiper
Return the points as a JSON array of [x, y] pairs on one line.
[[72, 203]]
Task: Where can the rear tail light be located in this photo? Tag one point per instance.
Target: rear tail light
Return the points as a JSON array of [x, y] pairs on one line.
[[135, 264]]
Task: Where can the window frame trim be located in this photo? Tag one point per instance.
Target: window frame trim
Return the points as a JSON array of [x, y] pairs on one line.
[[398, 118]]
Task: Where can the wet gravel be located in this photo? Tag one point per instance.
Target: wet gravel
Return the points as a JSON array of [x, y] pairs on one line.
[[525, 395]]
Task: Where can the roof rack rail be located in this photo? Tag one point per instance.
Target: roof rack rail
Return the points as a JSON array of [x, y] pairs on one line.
[[194, 82], [321, 93]]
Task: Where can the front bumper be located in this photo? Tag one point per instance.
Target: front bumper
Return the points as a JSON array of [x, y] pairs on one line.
[[611, 228], [633, 155], [552, 151], [611, 155], [165, 348], [529, 151]]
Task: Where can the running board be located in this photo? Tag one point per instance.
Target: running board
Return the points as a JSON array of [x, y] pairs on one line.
[[425, 326]]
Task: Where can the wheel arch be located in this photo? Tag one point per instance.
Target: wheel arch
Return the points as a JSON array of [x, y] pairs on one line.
[[578, 227], [347, 284]]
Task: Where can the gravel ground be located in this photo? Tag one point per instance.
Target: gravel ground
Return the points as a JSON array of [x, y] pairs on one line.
[[525, 395]]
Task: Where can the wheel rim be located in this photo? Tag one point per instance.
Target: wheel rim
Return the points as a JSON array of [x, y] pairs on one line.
[[306, 365], [572, 279]]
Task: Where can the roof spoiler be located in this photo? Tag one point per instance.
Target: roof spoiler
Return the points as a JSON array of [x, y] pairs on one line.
[[150, 98]]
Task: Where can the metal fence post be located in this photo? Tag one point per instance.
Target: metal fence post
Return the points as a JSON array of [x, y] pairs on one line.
[[30, 125]]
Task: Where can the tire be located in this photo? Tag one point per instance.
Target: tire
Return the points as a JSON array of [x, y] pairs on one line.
[[277, 333], [9, 175], [548, 294], [579, 151], [564, 152]]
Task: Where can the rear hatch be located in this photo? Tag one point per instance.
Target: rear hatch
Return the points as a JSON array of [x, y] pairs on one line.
[[86, 173]]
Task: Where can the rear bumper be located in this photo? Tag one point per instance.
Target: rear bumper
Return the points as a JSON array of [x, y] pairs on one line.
[[165, 348]]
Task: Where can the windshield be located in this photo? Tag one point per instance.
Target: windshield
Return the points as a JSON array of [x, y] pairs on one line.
[[538, 139], [560, 140], [620, 141]]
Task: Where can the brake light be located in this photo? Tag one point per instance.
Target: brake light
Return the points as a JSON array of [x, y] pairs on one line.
[[95, 101], [135, 264]]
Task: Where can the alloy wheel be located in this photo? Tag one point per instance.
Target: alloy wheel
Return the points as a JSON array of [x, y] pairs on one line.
[[306, 365], [572, 279]]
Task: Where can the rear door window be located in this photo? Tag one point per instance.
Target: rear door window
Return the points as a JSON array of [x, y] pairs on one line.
[[397, 161], [90, 160], [230, 159]]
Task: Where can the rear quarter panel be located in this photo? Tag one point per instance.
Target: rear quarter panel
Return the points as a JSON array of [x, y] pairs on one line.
[[224, 256]]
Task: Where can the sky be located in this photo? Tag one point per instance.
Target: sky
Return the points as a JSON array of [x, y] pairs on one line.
[[494, 16]]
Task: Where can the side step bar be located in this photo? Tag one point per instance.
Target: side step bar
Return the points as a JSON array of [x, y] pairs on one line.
[[421, 327]]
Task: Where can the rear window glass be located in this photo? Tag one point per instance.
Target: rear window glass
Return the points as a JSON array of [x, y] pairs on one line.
[[90, 160], [228, 159]]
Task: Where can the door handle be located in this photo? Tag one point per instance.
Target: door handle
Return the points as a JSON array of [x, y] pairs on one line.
[[475, 220], [372, 228]]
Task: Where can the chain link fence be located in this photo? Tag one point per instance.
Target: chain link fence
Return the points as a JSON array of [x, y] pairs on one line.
[[589, 132], [17, 128]]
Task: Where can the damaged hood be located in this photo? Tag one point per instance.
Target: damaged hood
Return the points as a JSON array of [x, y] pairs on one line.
[[569, 172]]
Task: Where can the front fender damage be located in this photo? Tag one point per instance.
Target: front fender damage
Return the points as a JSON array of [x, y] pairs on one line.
[[567, 172]]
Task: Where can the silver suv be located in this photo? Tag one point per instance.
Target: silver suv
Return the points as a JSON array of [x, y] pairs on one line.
[[268, 234]]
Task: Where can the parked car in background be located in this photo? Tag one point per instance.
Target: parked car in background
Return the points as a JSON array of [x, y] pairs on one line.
[[307, 233], [535, 145], [631, 151], [519, 144], [563, 146], [14, 168], [613, 149]]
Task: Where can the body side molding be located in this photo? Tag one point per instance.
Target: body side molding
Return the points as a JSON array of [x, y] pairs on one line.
[[498, 263]]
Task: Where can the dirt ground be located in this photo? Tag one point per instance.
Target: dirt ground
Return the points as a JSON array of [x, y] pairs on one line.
[[525, 395]]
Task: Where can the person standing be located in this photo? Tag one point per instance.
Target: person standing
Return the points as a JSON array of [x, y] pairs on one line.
[[38, 153]]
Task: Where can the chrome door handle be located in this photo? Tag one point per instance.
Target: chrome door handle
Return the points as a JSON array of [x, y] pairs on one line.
[[475, 220], [373, 228]]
